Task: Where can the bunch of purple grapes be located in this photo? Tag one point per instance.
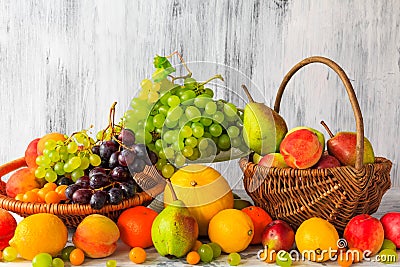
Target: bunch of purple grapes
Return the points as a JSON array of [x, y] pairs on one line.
[[112, 181]]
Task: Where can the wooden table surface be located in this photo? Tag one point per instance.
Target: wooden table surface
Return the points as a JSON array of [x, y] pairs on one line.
[[390, 202]]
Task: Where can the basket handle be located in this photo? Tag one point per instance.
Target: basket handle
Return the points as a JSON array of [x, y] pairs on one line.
[[350, 91]]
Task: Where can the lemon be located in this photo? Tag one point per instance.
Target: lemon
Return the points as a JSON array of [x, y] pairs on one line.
[[39, 233], [317, 239]]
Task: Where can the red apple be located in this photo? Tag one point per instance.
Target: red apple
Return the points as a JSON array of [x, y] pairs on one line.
[[391, 227], [278, 235], [364, 232], [7, 228], [327, 161], [31, 154], [273, 160]]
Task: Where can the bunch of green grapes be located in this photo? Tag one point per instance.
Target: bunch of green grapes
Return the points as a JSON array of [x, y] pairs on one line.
[[182, 123], [69, 158]]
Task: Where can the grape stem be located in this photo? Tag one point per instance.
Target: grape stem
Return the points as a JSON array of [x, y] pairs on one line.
[[247, 93], [183, 63], [111, 119], [218, 76], [174, 197]]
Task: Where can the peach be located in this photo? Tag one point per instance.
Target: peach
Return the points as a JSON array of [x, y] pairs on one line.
[[45, 138], [97, 236], [20, 182], [7, 228], [273, 160], [301, 149], [364, 232], [31, 154]]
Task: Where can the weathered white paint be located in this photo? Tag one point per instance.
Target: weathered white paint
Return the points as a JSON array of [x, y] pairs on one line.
[[63, 63]]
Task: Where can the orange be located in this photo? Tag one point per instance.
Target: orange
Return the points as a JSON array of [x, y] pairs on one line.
[[30, 196], [52, 197], [270, 258], [135, 226], [197, 245], [357, 254], [232, 229], [51, 186], [260, 219], [45, 138], [193, 257], [137, 255], [345, 259], [77, 257]]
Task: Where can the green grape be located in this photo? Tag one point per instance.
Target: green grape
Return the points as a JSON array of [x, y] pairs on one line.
[[236, 142], [191, 141], [169, 136], [170, 124], [234, 259], [146, 84], [75, 162], [224, 142], [198, 131], [283, 259], [57, 262], [149, 126], [160, 163], [158, 120], [43, 161], [111, 263], [190, 83], [233, 131], [216, 250], [50, 176], [163, 110], [210, 108], [180, 160], [201, 101], [42, 260], [66, 251], [387, 256], [167, 170], [68, 168], [388, 244], [76, 174], [85, 162], [169, 152], [183, 120], [185, 131], [206, 121], [218, 117], [143, 95], [207, 135], [161, 154], [148, 138], [79, 137], [230, 110], [158, 144], [215, 129], [94, 159], [156, 87], [164, 98], [40, 172], [50, 144], [177, 146], [187, 95], [192, 113], [195, 155], [63, 153], [10, 254], [59, 168], [152, 97], [187, 151], [54, 156], [46, 152], [173, 101], [72, 147], [203, 144], [206, 253], [209, 92], [174, 114]]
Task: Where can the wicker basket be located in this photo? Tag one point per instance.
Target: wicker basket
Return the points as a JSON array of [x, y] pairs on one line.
[[72, 214], [335, 194]]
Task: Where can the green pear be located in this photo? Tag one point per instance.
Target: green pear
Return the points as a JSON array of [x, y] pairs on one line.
[[320, 135], [263, 128], [174, 230], [343, 147]]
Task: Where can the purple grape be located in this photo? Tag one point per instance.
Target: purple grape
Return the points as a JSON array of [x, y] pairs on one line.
[[116, 195], [128, 189], [137, 166], [83, 181], [97, 170], [82, 196], [126, 157], [127, 137], [99, 180], [64, 181], [113, 162], [153, 157], [96, 149], [120, 174], [140, 150], [70, 190], [98, 200], [106, 149]]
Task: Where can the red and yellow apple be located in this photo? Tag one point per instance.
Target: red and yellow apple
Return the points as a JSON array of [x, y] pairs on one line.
[[278, 235], [7, 228], [391, 227], [20, 182], [273, 160], [31, 154]]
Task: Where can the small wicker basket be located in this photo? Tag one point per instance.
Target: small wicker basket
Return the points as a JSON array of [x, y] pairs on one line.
[[335, 194], [72, 214]]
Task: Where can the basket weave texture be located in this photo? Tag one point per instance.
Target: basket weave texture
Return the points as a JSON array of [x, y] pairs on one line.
[[72, 214], [335, 194]]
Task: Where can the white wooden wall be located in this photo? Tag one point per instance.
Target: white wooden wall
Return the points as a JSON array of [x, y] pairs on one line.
[[63, 63]]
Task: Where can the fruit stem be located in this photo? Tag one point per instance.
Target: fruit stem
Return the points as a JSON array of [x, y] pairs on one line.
[[248, 93], [327, 129], [183, 63], [217, 76], [174, 197]]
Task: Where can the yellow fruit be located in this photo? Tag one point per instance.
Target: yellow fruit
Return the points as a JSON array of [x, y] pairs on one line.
[[203, 190], [39, 233], [317, 238], [232, 229]]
